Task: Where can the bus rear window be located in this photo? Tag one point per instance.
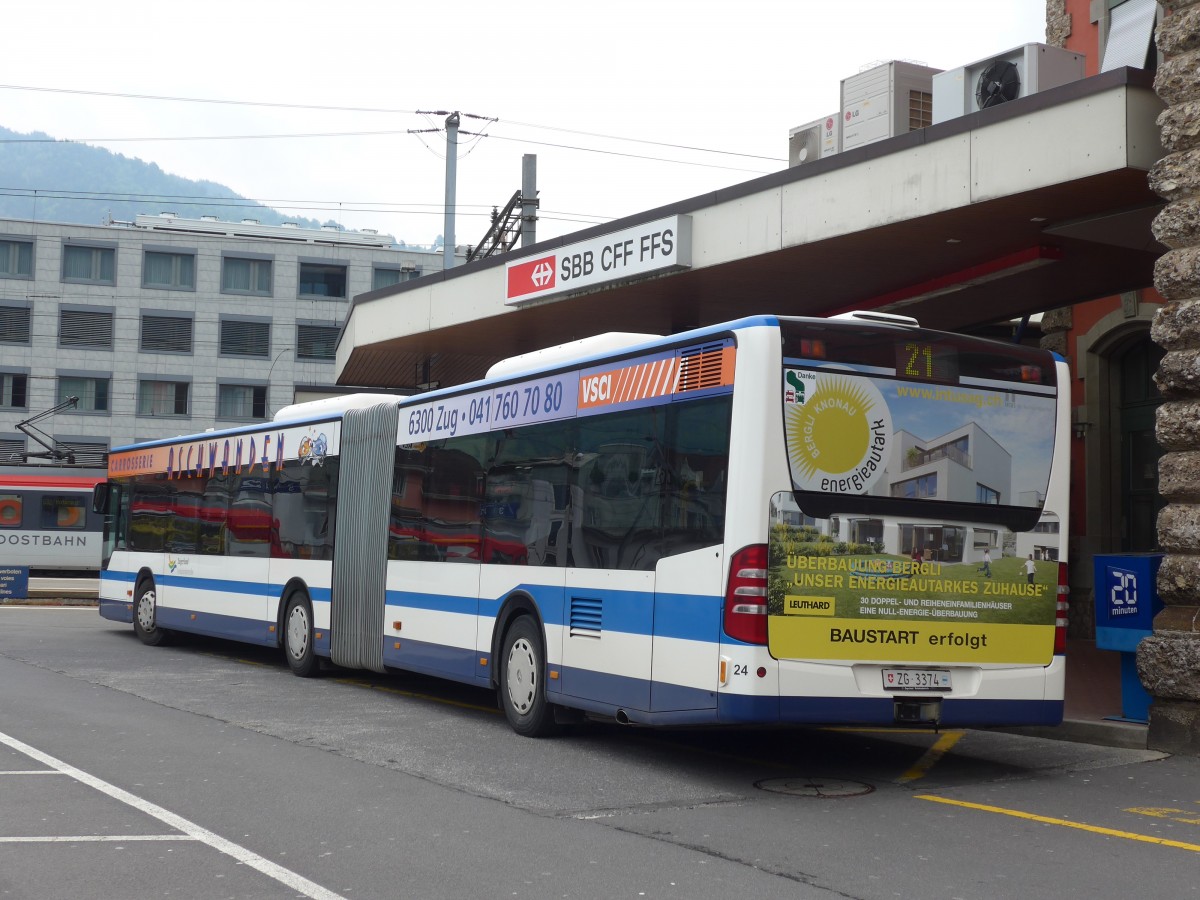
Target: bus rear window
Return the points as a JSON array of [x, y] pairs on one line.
[[949, 427]]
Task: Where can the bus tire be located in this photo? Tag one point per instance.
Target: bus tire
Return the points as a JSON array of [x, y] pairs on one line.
[[522, 680], [298, 636], [145, 615]]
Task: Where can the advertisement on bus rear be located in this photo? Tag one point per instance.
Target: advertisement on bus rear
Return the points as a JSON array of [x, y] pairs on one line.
[[888, 579]]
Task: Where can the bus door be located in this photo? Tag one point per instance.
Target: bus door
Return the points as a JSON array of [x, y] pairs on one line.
[[615, 532], [692, 477]]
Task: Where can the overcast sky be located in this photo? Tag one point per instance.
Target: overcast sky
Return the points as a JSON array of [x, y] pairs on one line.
[[627, 105]]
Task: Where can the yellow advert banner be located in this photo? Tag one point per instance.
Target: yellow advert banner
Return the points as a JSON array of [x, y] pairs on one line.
[[803, 637]]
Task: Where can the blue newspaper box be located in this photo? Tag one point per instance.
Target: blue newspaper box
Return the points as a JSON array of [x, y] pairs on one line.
[[1126, 589]]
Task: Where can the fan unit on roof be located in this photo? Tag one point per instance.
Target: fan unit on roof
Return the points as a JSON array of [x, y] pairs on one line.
[[998, 83], [1002, 78], [816, 140]]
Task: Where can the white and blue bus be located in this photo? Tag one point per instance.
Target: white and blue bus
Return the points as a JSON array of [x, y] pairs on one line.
[[772, 520]]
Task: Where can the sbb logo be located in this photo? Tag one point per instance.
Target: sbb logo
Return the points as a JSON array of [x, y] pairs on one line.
[[543, 273], [530, 277]]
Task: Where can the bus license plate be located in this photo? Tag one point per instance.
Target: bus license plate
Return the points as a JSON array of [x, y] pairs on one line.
[[916, 680]]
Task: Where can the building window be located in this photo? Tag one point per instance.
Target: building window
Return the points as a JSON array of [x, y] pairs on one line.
[[14, 324], [1130, 38], [92, 392], [985, 494], [173, 271], [246, 276], [13, 390], [924, 487], [383, 277], [16, 259], [316, 342], [166, 334], [11, 450], [985, 539], [318, 280], [163, 398], [85, 328], [242, 401], [240, 338], [89, 265]]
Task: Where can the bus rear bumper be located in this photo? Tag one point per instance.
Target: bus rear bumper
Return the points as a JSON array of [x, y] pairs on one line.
[[887, 711]]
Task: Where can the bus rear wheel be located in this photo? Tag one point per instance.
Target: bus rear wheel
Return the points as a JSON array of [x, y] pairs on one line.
[[522, 680], [145, 615], [298, 637]]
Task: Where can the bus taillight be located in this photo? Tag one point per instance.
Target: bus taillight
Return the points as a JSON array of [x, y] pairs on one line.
[[1060, 620], [746, 595]]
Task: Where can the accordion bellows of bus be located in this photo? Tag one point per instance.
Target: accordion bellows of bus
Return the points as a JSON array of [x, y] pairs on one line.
[[774, 520]]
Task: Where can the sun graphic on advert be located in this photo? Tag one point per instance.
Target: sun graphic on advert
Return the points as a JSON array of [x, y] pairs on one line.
[[830, 433]]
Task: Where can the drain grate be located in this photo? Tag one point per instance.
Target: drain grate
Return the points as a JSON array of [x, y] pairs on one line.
[[817, 787]]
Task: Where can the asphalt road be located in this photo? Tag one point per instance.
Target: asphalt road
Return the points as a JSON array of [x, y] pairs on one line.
[[206, 770]]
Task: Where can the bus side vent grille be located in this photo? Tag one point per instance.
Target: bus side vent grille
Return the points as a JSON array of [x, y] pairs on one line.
[[701, 367], [587, 614]]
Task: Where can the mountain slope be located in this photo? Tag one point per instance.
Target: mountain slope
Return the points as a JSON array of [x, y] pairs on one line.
[[59, 181]]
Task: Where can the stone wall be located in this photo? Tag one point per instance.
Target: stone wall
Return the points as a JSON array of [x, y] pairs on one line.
[[1169, 660], [1058, 23]]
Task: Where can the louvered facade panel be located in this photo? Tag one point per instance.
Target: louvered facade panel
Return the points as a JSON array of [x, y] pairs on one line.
[[14, 324], [85, 328], [240, 338], [316, 342], [166, 334]]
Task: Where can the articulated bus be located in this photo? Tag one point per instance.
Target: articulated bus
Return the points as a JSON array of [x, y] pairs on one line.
[[772, 520]]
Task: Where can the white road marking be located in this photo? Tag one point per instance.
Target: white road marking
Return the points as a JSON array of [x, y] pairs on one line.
[[193, 831], [91, 838]]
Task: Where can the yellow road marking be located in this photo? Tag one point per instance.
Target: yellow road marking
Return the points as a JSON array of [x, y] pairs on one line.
[[1065, 823], [931, 757], [1165, 812]]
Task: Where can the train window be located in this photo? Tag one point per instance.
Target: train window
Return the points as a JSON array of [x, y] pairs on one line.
[[10, 510], [64, 511]]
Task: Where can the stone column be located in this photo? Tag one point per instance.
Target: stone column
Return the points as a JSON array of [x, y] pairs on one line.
[[1169, 660], [1058, 23]]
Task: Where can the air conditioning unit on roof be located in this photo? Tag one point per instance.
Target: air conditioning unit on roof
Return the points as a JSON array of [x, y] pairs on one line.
[[884, 101], [814, 141], [1002, 78]]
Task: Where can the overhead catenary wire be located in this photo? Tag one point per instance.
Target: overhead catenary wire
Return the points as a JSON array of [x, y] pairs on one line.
[[358, 109], [251, 204], [492, 126]]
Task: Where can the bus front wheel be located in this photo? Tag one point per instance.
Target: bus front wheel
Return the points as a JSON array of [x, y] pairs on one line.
[[145, 615], [522, 680], [298, 637]]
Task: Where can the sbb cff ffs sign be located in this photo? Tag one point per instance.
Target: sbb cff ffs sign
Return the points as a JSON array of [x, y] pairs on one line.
[[660, 246]]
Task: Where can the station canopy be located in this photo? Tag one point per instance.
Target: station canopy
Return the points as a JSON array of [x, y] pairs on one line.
[[1036, 204]]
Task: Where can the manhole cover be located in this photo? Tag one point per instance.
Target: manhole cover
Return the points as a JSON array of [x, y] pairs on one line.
[[821, 788]]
